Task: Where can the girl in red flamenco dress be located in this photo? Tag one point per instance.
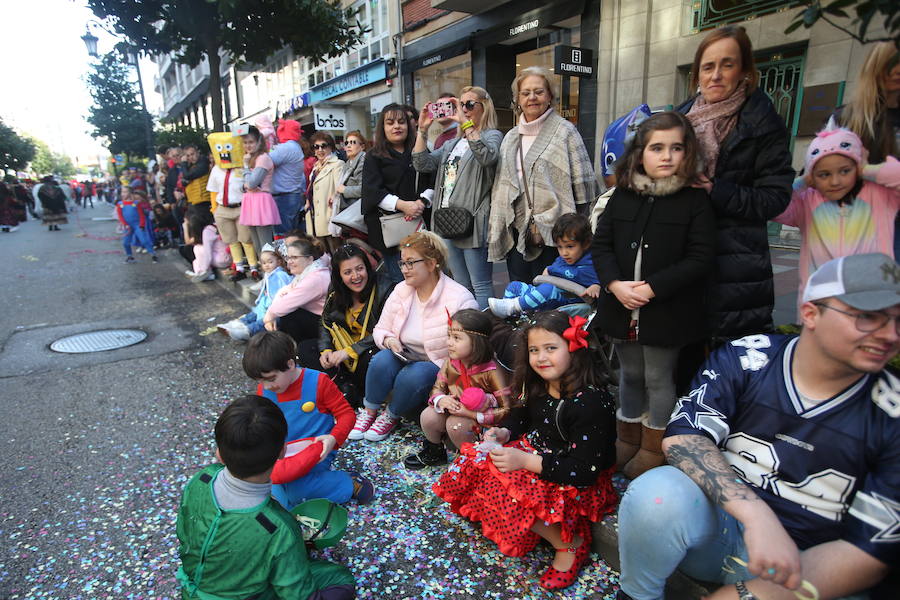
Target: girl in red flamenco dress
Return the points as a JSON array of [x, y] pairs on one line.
[[547, 472]]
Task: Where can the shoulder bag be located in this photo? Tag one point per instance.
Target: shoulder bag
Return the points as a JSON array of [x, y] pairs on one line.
[[453, 222], [533, 237], [395, 227]]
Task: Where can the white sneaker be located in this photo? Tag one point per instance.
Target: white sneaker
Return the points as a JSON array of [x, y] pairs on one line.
[[504, 307], [382, 427], [364, 420], [256, 286], [189, 273], [204, 276], [239, 331]]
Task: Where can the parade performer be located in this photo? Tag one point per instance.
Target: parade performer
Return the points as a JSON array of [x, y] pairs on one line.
[[134, 220]]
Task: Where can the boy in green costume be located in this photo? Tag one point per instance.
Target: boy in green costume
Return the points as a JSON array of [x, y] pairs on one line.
[[236, 541]]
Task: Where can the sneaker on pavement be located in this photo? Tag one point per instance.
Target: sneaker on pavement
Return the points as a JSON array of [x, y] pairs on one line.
[[154, 258], [189, 273], [203, 276], [504, 307], [364, 420], [129, 259], [363, 489], [239, 331], [381, 428]]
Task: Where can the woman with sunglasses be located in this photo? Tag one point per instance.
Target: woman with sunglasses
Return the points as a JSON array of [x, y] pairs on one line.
[[352, 308], [349, 188], [321, 191], [465, 168], [412, 335], [297, 307]]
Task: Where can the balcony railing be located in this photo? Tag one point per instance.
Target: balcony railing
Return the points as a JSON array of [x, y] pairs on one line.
[[712, 13]]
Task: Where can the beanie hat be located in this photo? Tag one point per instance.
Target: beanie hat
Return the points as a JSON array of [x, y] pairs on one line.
[[835, 140], [288, 129]]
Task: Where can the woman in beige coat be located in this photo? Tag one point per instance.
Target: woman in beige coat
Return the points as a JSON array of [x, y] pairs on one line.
[[321, 192]]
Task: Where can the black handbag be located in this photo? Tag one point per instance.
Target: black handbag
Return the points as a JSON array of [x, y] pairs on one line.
[[453, 223]]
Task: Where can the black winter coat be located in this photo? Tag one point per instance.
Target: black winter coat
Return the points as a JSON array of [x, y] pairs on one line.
[[752, 185], [384, 175], [331, 316], [677, 232]]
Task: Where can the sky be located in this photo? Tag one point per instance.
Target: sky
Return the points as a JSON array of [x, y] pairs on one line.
[[43, 93]]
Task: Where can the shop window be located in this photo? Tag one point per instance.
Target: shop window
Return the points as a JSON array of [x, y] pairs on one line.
[[542, 56], [376, 50], [447, 76], [352, 60], [319, 77], [364, 55], [708, 14]]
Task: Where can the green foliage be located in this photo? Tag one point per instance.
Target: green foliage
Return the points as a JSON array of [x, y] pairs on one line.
[[15, 151], [862, 15], [47, 162], [248, 30], [181, 135], [116, 114]]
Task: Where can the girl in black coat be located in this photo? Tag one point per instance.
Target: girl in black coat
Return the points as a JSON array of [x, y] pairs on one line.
[[653, 248]]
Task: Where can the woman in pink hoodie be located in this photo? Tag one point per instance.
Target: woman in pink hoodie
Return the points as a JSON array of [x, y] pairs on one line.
[[412, 333], [297, 307]]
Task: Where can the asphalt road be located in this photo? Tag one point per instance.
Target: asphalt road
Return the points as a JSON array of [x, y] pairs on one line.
[[97, 447]]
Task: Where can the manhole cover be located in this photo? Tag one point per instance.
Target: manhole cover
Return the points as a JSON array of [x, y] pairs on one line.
[[98, 341]]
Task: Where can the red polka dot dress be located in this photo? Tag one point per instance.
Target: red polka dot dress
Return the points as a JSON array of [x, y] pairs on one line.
[[575, 437]]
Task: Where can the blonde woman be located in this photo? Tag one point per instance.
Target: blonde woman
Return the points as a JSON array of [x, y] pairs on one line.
[[321, 193], [544, 173], [873, 112], [465, 167]]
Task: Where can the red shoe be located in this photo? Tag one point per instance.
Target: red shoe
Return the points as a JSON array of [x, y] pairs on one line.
[[553, 579]]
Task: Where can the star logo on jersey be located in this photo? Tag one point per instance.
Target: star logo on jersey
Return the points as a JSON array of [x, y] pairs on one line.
[[710, 374], [891, 533], [701, 415]]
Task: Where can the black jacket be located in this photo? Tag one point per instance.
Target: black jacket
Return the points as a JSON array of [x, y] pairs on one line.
[[384, 175], [752, 185], [171, 184], [677, 232], [331, 316]]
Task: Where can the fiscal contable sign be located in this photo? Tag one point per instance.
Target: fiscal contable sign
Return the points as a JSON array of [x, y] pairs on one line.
[[329, 118], [578, 62]]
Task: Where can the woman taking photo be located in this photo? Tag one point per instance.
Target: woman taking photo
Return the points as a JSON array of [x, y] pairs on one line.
[[747, 174], [465, 168], [320, 191], [390, 184], [352, 308], [297, 307], [544, 172], [412, 333]]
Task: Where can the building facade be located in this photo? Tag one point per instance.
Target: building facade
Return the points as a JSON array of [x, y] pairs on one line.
[[185, 92]]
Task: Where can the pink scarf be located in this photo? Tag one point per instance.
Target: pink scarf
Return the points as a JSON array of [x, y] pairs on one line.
[[713, 122]]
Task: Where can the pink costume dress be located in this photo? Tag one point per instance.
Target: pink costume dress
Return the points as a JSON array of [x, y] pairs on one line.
[[258, 207]]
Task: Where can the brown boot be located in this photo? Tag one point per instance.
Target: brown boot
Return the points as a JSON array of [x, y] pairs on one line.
[[650, 455], [628, 440]]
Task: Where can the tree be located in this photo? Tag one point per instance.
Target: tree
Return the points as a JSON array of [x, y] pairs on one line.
[[182, 135], [15, 151], [247, 30], [47, 162], [867, 13], [116, 114]]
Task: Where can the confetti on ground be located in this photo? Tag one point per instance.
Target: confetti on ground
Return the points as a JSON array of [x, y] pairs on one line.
[[209, 330]]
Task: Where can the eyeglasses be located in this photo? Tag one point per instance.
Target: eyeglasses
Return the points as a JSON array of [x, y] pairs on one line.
[[470, 104], [351, 143], [321, 146], [296, 256], [867, 322], [537, 93], [409, 264]]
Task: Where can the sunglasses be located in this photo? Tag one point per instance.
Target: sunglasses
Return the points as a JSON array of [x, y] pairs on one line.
[[351, 143], [321, 146], [470, 104]]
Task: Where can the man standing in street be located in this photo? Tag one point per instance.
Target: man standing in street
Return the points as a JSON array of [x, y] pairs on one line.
[[785, 456], [288, 178]]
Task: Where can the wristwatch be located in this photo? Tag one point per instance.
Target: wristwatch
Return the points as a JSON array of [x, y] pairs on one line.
[[743, 592]]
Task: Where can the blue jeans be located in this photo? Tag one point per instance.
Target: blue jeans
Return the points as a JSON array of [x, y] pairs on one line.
[[471, 269], [411, 383], [288, 207], [666, 522], [253, 323], [320, 482]]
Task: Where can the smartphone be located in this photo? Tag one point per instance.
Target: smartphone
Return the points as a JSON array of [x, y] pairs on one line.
[[401, 357], [441, 110]]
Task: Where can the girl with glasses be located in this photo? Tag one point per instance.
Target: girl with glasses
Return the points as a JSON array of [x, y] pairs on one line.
[[465, 168], [321, 191]]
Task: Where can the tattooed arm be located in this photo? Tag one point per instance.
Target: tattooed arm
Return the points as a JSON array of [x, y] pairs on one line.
[[768, 544]]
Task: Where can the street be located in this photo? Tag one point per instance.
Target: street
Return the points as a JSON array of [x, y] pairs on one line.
[[98, 446]]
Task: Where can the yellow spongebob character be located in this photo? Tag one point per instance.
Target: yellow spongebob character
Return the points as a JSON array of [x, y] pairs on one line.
[[227, 150]]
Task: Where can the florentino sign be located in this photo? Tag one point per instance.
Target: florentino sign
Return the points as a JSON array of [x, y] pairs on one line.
[[568, 60]]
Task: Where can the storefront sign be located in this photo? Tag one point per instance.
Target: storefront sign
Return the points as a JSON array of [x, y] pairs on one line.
[[523, 27], [568, 60], [371, 73], [329, 118], [445, 53]]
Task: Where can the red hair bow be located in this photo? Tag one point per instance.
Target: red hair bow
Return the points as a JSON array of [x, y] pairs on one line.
[[576, 333]]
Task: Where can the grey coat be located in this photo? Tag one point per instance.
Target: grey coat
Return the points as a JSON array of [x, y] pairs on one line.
[[474, 180], [351, 177]]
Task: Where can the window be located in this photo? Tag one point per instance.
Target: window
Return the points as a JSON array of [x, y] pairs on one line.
[[708, 14]]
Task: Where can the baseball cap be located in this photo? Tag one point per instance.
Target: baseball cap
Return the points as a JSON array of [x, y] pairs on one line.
[[863, 281]]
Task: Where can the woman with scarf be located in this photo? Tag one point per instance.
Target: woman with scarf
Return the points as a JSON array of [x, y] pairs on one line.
[[297, 307], [747, 173], [544, 173]]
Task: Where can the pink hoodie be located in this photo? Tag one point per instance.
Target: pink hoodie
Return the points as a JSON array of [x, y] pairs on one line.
[[307, 290]]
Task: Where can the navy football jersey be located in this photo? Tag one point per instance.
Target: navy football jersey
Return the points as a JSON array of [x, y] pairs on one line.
[[829, 471]]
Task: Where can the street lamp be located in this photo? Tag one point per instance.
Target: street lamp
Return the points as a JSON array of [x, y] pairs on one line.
[[132, 58]]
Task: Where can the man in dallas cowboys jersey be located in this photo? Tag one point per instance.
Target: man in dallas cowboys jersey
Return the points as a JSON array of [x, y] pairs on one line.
[[785, 455]]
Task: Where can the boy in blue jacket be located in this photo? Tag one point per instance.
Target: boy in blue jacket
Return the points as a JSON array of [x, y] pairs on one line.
[[572, 236]]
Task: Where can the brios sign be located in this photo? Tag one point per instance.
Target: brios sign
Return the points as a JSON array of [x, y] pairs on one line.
[[330, 118]]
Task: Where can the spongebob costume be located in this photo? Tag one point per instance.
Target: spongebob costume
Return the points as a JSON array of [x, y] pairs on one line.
[[225, 186]]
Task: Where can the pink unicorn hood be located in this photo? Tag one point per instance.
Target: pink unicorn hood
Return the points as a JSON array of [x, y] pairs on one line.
[[835, 140]]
